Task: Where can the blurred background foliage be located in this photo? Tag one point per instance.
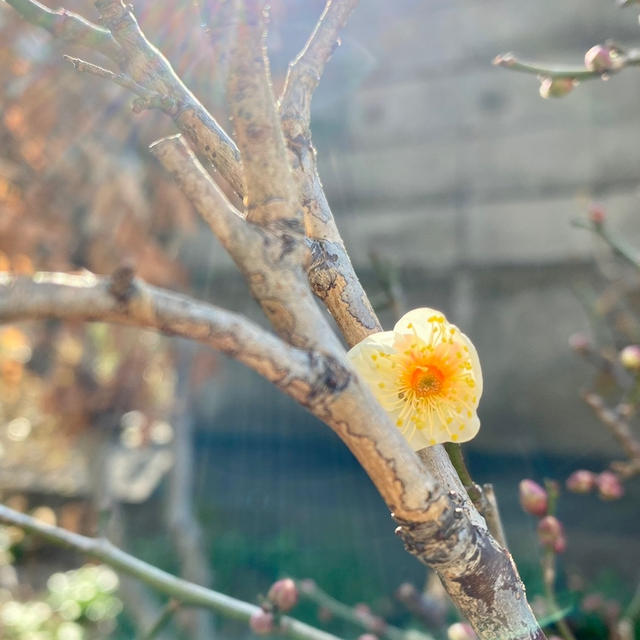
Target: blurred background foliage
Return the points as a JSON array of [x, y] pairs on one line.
[[455, 186]]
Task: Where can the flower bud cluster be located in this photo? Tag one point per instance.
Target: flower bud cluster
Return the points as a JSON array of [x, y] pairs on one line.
[[607, 484], [282, 597], [534, 499]]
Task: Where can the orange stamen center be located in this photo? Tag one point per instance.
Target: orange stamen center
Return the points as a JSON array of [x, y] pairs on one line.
[[426, 381]]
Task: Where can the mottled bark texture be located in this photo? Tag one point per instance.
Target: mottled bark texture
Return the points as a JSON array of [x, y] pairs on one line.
[[287, 245]]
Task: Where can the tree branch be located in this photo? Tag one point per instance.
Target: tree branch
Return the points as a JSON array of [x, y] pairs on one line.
[[149, 67], [630, 58], [69, 27], [186, 592], [89, 297], [306, 70], [269, 196], [366, 620], [226, 222]]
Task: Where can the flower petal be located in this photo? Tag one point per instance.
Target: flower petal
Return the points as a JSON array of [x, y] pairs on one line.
[[417, 321], [476, 369], [368, 356]]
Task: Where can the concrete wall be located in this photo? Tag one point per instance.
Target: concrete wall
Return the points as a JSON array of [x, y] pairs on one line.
[[462, 176]]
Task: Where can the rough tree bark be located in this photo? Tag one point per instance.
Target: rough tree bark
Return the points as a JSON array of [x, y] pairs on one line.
[[288, 247]]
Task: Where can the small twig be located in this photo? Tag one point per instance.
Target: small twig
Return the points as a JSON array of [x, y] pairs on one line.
[[617, 425], [368, 621], [119, 78], [146, 99], [626, 468], [163, 619], [182, 590], [306, 70], [509, 61], [69, 27], [492, 515], [618, 247], [549, 579], [454, 451]]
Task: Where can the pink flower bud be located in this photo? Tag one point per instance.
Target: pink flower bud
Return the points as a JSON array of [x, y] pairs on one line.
[[533, 498], [630, 357], [362, 610], [581, 481], [579, 342], [600, 58], [262, 622], [560, 545], [461, 631], [609, 486], [367, 636], [592, 603], [283, 594], [556, 87], [550, 531], [597, 214]]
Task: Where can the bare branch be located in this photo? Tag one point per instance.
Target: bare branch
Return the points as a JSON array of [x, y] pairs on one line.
[[186, 592], [123, 80], [617, 425], [226, 222], [492, 515], [149, 67], [269, 196], [88, 297], [330, 273], [628, 58], [306, 70], [366, 620], [69, 27]]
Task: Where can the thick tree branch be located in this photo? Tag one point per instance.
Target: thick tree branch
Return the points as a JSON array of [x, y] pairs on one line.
[[186, 592], [89, 297], [269, 196], [69, 27]]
